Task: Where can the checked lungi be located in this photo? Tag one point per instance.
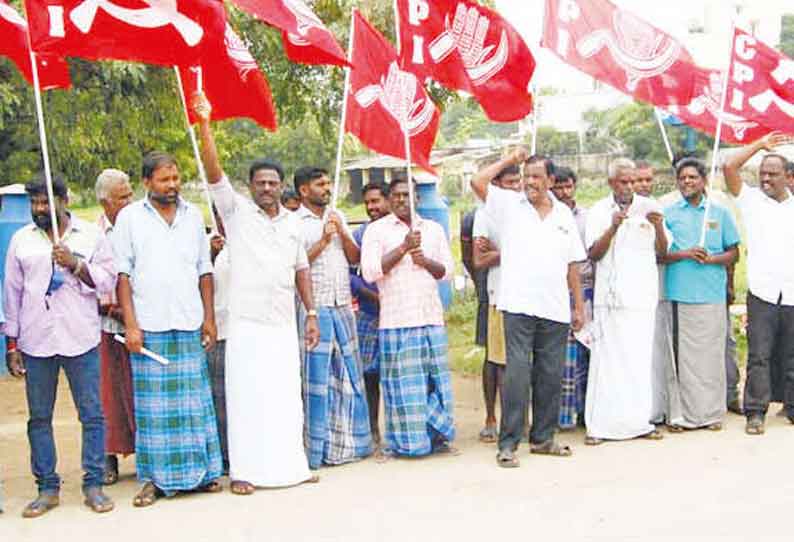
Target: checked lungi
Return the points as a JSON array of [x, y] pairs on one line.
[[367, 325], [176, 444], [574, 373], [117, 397], [337, 417], [216, 363], [417, 390]]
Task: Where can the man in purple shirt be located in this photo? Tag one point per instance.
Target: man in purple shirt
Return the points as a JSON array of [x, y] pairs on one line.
[[50, 301]]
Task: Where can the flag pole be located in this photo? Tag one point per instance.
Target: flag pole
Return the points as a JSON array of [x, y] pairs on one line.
[[664, 135], [56, 237], [343, 115], [404, 127], [194, 142], [717, 138]]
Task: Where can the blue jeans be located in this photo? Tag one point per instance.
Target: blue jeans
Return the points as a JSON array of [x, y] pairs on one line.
[[41, 385]]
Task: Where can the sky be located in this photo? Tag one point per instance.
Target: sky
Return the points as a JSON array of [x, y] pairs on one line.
[[673, 16]]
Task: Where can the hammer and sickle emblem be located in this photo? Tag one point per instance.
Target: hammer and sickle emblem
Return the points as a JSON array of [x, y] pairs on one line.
[[467, 34], [709, 100], [306, 20], [159, 13], [634, 45], [397, 94]]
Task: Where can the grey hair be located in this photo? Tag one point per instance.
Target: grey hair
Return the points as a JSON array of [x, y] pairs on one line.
[[618, 165], [106, 180]]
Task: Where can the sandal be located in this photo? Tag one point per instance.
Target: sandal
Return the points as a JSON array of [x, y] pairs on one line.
[[211, 487], [240, 487], [551, 447], [147, 496], [488, 434], [755, 425], [653, 435], [384, 456], [97, 501], [717, 426], [43, 504], [593, 441], [445, 448], [675, 429], [507, 459], [111, 474]]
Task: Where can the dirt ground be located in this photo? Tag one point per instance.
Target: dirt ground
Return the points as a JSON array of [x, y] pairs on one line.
[[695, 486]]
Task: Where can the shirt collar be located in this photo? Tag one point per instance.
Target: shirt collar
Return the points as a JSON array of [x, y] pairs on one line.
[[395, 220], [684, 203], [305, 212], [181, 204]]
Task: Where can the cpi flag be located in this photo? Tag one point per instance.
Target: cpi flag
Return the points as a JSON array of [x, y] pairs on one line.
[[620, 49], [466, 46], [53, 71], [166, 32], [306, 39], [232, 81], [761, 83], [384, 100], [704, 111]]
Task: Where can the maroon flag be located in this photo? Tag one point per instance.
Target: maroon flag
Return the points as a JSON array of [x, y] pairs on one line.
[[166, 32], [620, 49], [704, 112], [385, 100], [53, 71], [306, 39], [761, 83], [466, 46], [232, 81]]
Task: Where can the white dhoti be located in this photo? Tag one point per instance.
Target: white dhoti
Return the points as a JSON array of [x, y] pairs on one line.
[[619, 390], [264, 405]]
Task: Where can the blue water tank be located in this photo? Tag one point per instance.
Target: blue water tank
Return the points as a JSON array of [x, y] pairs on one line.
[[433, 207], [14, 213]]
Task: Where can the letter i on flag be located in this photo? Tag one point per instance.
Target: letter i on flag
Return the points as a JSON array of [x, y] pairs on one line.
[[53, 70], [383, 99], [760, 83], [466, 46]]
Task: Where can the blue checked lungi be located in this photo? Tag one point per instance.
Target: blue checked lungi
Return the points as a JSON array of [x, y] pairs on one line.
[[574, 375], [417, 389], [176, 440], [337, 417], [367, 325]]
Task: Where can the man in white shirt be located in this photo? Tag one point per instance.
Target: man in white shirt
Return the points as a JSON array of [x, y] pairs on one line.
[[768, 215], [625, 236], [263, 381], [539, 272]]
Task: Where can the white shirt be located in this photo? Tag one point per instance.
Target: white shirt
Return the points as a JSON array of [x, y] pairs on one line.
[[264, 254], [770, 244], [535, 255], [222, 275], [626, 276], [484, 227]]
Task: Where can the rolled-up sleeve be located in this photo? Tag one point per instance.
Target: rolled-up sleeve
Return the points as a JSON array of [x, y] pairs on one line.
[[302, 260], [224, 197], [12, 291], [371, 255], [121, 241], [101, 268], [204, 263]]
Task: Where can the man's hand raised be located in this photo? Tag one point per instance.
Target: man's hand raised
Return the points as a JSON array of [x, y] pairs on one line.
[[201, 106]]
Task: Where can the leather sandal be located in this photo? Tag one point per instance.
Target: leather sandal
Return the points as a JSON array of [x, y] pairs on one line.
[[111, 474], [41, 505], [97, 501], [147, 496], [551, 447]]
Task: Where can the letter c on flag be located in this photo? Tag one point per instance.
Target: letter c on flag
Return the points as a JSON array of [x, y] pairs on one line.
[[744, 47]]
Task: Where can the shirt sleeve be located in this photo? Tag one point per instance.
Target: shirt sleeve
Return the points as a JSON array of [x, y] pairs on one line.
[[371, 255], [595, 226], [576, 251], [224, 197], [441, 251], [302, 261], [121, 240], [497, 202], [730, 232], [12, 291], [204, 263], [100, 267], [480, 228]]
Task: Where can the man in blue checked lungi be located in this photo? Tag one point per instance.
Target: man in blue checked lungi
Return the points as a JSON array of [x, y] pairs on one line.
[[165, 291], [337, 420], [406, 256], [377, 204]]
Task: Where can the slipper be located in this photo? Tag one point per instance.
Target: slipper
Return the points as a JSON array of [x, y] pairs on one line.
[[384, 456], [507, 460], [551, 447], [241, 487], [755, 426], [675, 429], [97, 501], [488, 434], [147, 496], [211, 487], [717, 426], [43, 504], [111, 474], [593, 441], [445, 448], [653, 435]]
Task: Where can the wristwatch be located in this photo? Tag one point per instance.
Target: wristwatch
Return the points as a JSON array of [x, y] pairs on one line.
[[311, 312]]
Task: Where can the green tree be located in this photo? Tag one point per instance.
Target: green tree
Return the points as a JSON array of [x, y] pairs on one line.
[[787, 35]]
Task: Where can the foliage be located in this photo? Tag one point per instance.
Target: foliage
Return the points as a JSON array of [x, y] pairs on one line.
[[787, 35], [464, 120]]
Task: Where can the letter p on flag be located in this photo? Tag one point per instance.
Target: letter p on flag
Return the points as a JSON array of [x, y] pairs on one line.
[[418, 11]]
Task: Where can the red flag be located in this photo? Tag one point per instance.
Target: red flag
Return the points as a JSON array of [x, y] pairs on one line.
[[468, 47], [704, 110], [232, 81], [166, 32], [53, 70], [306, 39], [761, 83], [618, 48], [383, 99]]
